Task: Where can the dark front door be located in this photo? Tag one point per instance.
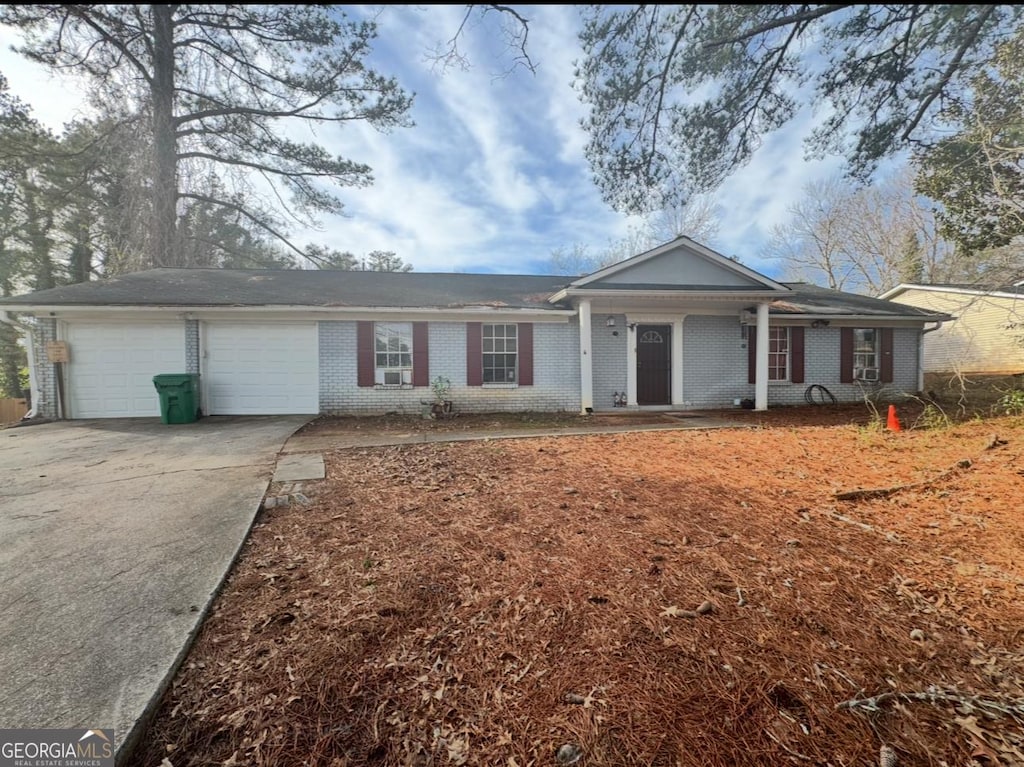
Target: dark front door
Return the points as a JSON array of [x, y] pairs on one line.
[[653, 364]]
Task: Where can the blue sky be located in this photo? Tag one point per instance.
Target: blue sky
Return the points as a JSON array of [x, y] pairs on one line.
[[492, 177]]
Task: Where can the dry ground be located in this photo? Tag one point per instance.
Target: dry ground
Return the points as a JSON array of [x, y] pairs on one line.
[[536, 602]]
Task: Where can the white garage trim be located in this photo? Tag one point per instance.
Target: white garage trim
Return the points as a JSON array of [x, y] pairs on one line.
[[260, 368], [112, 364]]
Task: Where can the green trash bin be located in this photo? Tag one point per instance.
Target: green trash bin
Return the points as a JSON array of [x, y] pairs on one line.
[[179, 397]]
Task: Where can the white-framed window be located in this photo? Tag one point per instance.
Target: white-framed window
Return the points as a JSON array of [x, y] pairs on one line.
[[778, 354], [500, 353], [865, 354], [393, 353]]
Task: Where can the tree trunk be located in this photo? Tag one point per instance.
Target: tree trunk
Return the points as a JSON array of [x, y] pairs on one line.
[[165, 181], [80, 262], [37, 230]]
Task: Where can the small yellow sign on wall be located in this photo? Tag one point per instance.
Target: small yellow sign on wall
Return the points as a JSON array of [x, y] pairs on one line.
[[57, 351]]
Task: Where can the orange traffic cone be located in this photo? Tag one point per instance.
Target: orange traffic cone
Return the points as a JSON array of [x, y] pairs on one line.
[[894, 421]]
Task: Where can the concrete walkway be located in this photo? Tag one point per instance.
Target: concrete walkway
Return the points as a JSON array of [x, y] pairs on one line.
[[115, 537], [343, 439]]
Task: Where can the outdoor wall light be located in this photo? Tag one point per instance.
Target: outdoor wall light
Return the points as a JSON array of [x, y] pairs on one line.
[[610, 322], [819, 324]]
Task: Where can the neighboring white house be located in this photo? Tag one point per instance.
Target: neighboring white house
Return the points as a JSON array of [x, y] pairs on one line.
[[986, 335], [679, 326]]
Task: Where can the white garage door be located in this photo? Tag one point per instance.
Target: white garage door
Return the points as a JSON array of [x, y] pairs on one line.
[[112, 364], [261, 369]]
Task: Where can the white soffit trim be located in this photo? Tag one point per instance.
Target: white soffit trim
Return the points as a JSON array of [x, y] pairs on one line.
[[689, 295], [895, 291], [696, 247]]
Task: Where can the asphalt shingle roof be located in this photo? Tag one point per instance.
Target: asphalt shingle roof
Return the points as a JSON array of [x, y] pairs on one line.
[[264, 287], [325, 289], [811, 299]]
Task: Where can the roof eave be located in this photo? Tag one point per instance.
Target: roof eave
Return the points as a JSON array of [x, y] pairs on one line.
[[38, 309], [853, 317]]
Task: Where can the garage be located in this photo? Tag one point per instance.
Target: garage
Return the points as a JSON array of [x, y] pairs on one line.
[[260, 368], [112, 364]]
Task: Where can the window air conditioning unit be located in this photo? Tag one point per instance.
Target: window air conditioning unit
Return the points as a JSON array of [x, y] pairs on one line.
[[868, 374]]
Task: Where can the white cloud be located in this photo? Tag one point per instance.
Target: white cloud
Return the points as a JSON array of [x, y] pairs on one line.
[[482, 182], [493, 175]]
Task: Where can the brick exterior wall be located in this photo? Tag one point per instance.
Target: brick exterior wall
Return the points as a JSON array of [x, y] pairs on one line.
[[192, 346], [822, 354], [715, 366], [556, 373], [715, 362], [609, 362], [45, 330]]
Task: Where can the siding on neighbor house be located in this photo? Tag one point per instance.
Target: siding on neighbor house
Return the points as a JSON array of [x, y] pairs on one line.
[[715, 365], [982, 339], [556, 380]]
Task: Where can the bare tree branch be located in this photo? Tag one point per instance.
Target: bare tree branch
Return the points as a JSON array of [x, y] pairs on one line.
[[784, 21]]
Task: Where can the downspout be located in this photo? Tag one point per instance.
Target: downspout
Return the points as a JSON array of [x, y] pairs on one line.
[[30, 351], [920, 354]]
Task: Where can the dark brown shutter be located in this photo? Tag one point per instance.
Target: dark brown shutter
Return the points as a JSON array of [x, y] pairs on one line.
[[751, 354], [796, 355], [885, 364], [846, 355], [364, 353], [474, 354], [420, 355], [525, 353]]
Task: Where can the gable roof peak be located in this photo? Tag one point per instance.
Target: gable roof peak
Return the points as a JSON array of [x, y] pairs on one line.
[[693, 248]]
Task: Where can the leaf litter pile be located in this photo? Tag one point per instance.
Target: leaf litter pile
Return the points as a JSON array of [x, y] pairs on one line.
[[660, 598]]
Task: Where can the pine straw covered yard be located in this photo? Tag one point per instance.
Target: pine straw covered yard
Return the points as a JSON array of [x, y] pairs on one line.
[[663, 598]]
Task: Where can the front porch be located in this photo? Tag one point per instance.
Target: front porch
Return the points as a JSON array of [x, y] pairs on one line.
[[679, 358]]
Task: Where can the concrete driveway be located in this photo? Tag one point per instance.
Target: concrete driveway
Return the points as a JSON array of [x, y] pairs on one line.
[[114, 535]]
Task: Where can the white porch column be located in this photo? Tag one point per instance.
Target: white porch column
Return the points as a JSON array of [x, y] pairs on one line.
[[630, 331], [761, 378], [677, 362], [586, 359], [920, 358]]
